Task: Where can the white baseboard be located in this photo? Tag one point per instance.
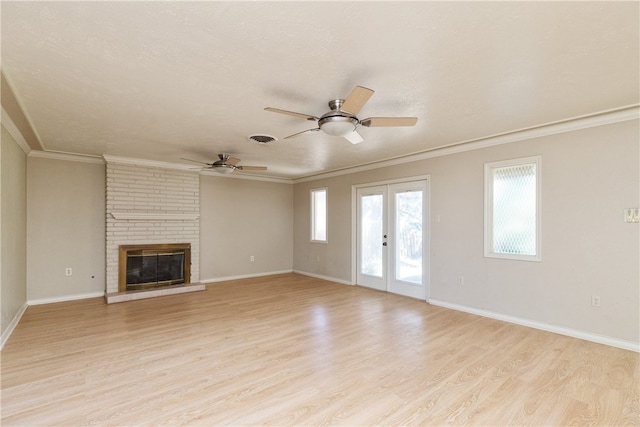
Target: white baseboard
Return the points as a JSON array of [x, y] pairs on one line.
[[39, 301], [319, 276], [588, 336], [244, 276], [271, 273], [14, 322]]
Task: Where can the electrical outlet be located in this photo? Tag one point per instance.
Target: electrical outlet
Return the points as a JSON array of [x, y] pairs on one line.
[[68, 271], [632, 215], [251, 258], [595, 301]]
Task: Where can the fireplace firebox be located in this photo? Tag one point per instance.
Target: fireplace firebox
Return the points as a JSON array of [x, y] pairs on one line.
[[153, 265]]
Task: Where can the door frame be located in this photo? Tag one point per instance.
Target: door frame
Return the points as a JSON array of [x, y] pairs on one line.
[[427, 224]]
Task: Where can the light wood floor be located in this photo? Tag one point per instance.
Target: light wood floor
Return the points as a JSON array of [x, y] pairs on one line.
[[293, 350]]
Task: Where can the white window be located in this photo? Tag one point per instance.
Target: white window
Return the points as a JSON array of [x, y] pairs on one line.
[[512, 209], [319, 215]]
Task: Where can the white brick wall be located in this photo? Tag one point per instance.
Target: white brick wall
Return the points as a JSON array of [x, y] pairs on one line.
[[141, 190]]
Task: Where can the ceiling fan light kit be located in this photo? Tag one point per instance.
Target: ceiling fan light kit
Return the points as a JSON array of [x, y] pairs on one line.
[[338, 125], [342, 121], [224, 169]]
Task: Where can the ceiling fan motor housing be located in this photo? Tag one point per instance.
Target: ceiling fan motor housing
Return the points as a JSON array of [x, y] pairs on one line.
[[221, 165]]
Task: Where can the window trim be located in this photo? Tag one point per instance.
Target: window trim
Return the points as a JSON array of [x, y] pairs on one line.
[[313, 212], [488, 208]]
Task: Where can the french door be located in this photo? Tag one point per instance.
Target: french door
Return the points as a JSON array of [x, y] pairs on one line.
[[391, 238]]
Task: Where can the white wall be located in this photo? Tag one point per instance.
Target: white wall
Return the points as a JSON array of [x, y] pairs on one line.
[[588, 177], [65, 228], [13, 231], [240, 218]]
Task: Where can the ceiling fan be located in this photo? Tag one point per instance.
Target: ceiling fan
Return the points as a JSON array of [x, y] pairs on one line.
[[342, 120], [227, 165]]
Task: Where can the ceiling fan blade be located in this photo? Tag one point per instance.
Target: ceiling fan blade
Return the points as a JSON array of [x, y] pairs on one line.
[[300, 133], [252, 168], [292, 113], [389, 121], [196, 161], [356, 100], [354, 137], [232, 161]]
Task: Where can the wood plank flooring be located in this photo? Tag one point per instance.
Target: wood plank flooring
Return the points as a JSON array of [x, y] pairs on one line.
[[294, 350]]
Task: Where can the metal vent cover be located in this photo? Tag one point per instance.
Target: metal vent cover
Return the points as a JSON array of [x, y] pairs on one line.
[[262, 139]]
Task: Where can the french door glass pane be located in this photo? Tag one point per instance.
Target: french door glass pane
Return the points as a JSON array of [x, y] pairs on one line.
[[408, 233], [371, 244]]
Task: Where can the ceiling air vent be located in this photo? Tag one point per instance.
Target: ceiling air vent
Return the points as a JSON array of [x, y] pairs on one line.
[[262, 139]]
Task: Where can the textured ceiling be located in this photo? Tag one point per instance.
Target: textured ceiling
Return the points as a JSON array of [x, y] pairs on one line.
[[165, 80]]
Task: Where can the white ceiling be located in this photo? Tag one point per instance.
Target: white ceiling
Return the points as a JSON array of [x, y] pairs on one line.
[[165, 80]]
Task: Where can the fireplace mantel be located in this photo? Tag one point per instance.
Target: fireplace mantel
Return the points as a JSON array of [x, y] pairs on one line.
[[155, 216]]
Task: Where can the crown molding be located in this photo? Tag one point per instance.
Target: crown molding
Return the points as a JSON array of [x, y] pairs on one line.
[[21, 111], [584, 122], [148, 163], [71, 157], [190, 168], [13, 130]]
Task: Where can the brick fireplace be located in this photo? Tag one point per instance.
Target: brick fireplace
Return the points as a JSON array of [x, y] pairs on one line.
[[147, 204]]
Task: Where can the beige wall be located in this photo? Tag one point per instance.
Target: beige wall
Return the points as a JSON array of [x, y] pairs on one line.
[[13, 232], [241, 218], [66, 216], [588, 178], [66, 228]]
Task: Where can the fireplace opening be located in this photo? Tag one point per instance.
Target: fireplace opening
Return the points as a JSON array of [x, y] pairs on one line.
[[152, 266]]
